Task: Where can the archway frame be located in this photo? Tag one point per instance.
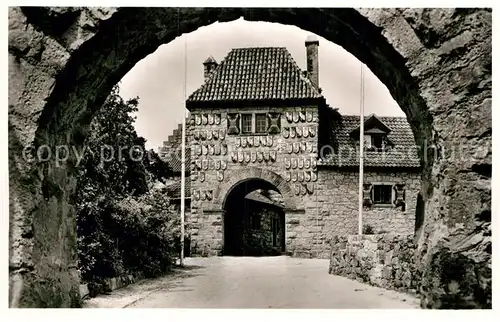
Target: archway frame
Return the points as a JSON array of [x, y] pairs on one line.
[[240, 176], [63, 62]]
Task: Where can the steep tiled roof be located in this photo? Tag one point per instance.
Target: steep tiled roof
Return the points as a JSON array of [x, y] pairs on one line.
[[261, 73], [402, 154], [174, 189], [173, 158]]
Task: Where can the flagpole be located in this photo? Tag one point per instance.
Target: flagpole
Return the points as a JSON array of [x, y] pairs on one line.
[[361, 153], [183, 157]]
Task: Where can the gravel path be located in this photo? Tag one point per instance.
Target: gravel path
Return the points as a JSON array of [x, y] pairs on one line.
[[254, 282]]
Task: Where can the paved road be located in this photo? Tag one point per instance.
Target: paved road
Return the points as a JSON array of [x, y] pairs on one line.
[[253, 282]]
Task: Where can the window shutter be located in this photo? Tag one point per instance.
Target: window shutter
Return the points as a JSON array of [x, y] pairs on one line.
[[367, 194], [274, 123], [399, 197], [233, 123]]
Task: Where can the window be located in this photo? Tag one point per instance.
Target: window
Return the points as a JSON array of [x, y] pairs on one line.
[[382, 194], [374, 142], [367, 141], [246, 123], [260, 123], [377, 142]]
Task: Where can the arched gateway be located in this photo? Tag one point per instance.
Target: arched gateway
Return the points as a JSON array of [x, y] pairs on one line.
[[218, 224], [436, 63]]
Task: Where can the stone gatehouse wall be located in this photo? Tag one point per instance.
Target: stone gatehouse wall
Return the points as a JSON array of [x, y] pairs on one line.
[[327, 198], [383, 260]]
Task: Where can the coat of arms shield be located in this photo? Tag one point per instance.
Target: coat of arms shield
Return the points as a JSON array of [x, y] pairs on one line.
[[302, 116], [222, 134], [300, 176], [312, 132], [294, 176], [247, 157], [266, 155], [244, 142], [289, 117], [240, 156], [288, 163], [211, 149], [298, 131], [314, 176], [250, 141], [201, 176], [288, 176], [269, 141], [289, 148], [217, 119], [253, 156], [295, 117], [209, 135], [305, 132], [217, 165], [197, 135], [209, 194], [223, 165], [204, 149], [220, 175], [309, 116], [204, 164], [307, 163], [296, 147], [286, 132], [203, 135], [223, 149], [234, 156], [307, 176], [217, 149], [293, 132], [272, 155], [196, 194], [211, 119], [260, 156], [256, 141], [296, 189], [215, 134], [300, 163], [294, 163], [238, 142], [197, 119], [204, 119], [198, 164]]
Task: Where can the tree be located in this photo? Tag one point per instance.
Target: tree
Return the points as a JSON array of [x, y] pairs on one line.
[[122, 227]]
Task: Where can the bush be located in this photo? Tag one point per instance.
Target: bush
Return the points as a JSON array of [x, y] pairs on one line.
[[134, 234]]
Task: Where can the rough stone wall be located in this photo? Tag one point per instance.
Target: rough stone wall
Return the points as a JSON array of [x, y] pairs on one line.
[[383, 260], [436, 63], [260, 241]]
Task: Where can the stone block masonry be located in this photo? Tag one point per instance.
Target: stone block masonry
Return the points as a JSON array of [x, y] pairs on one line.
[[383, 260]]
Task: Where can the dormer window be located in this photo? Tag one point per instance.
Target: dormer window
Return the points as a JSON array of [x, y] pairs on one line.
[[375, 134]]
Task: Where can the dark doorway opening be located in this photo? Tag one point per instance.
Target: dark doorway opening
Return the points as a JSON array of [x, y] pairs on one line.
[[254, 220]]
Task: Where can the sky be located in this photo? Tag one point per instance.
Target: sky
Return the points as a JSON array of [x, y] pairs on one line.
[[159, 78]]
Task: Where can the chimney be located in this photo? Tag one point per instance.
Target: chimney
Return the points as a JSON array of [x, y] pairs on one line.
[[209, 66], [312, 44]]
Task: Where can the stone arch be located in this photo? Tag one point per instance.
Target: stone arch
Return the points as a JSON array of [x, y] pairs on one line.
[[436, 63], [242, 175]]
